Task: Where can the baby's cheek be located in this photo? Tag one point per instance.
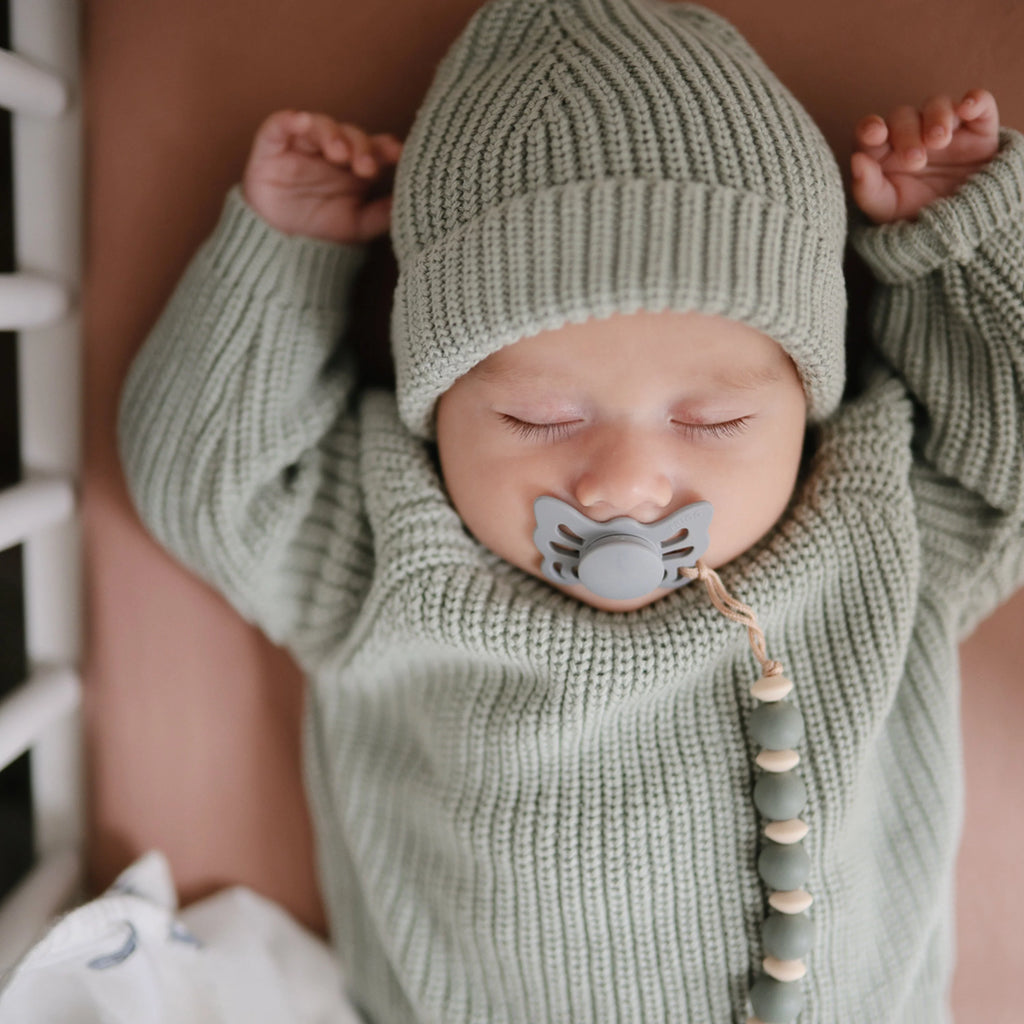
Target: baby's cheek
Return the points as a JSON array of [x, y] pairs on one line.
[[498, 512], [742, 512]]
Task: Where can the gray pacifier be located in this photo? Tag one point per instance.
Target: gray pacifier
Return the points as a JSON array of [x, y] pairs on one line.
[[620, 559]]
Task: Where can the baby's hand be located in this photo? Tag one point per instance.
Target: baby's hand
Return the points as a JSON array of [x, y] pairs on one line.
[[309, 175], [903, 163]]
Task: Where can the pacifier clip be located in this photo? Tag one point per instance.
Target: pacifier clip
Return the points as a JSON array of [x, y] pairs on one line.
[[780, 795], [624, 559]]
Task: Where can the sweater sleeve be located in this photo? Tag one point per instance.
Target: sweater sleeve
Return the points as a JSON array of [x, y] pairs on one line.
[[948, 314], [236, 432]]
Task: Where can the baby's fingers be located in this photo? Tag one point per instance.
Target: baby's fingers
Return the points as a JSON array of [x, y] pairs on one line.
[[979, 111], [353, 146], [873, 192], [938, 122], [871, 135], [906, 138], [387, 148], [297, 131], [368, 153], [274, 136]]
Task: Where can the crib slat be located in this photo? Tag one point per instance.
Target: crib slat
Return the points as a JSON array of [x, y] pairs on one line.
[[30, 89], [29, 710], [47, 890], [28, 300], [31, 506]]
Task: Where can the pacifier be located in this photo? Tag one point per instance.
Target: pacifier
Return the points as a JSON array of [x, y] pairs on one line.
[[621, 559]]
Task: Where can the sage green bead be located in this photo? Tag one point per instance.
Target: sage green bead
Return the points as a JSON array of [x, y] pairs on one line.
[[776, 1002], [784, 867], [777, 726], [787, 936], [780, 795]]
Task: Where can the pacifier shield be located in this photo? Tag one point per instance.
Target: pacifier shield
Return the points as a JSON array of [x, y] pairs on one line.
[[621, 559]]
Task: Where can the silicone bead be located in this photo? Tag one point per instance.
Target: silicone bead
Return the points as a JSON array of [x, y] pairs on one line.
[[777, 726], [771, 688], [777, 760], [792, 830], [780, 795], [787, 936], [795, 901], [784, 867], [776, 1002]]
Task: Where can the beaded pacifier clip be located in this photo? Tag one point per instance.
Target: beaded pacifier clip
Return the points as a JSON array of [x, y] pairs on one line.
[[780, 795]]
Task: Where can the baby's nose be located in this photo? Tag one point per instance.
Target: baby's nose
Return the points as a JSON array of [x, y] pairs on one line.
[[625, 476]]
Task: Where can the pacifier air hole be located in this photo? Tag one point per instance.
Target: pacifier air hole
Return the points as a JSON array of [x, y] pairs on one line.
[[680, 539]]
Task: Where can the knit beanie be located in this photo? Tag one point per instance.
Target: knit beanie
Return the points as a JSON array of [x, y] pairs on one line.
[[579, 158]]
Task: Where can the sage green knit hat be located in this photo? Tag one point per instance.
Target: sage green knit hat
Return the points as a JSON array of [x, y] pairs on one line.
[[578, 158]]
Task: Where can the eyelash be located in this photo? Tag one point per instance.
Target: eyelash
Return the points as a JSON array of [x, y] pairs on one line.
[[730, 428], [558, 431], [524, 428]]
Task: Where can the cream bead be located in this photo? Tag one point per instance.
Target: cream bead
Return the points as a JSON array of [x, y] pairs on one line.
[[784, 970], [777, 760], [793, 901], [787, 832], [771, 688]]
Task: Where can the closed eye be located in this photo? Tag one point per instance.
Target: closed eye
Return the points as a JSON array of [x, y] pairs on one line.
[[728, 428], [549, 431]]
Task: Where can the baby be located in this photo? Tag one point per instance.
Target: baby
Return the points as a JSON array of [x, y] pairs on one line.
[[543, 786]]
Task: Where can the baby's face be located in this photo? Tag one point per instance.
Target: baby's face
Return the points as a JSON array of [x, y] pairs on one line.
[[634, 415]]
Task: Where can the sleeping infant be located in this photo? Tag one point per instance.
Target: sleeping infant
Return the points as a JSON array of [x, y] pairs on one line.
[[630, 622]]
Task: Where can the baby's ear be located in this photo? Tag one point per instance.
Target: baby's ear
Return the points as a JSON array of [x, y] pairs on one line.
[[711, 25]]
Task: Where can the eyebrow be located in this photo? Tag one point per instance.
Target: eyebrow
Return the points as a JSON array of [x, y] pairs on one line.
[[748, 378], [498, 374]]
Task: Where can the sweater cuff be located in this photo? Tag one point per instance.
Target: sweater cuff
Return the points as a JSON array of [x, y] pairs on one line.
[[951, 228], [250, 255]]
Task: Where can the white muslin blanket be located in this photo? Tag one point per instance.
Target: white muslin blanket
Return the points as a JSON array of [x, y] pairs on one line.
[[131, 957]]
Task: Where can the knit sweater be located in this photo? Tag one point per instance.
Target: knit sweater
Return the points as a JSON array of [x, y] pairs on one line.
[[529, 810]]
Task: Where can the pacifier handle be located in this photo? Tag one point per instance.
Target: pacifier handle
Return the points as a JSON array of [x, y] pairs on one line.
[[620, 566]]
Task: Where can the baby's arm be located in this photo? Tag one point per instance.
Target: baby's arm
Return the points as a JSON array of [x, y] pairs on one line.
[[236, 431], [947, 250]]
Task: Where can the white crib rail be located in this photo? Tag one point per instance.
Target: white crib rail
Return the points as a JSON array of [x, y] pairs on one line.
[[28, 300], [41, 714], [32, 89], [32, 505]]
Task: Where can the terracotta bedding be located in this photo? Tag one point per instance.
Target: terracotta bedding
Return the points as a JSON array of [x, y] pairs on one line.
[[193, 717]]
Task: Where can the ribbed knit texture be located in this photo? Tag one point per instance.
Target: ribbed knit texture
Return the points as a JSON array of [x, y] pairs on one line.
[[530, 811], [577, 158]]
